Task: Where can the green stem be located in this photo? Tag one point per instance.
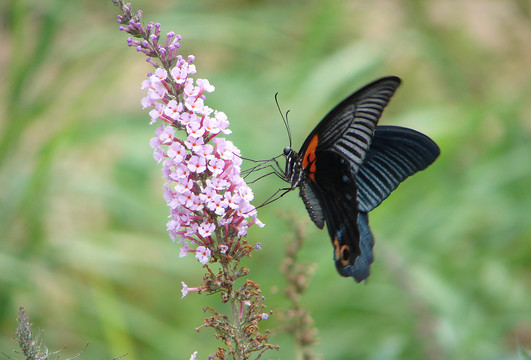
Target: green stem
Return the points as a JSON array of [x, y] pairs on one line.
[[236, 321]]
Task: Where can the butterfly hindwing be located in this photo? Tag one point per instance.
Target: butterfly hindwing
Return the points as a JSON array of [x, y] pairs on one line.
[[395, 154], [360, 269], [313, 203], [333, 185]]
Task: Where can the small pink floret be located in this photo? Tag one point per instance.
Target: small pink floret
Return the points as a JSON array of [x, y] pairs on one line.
[[203, 254]]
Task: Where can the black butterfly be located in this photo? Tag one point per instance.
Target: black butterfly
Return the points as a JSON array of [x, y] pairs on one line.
[[347, 166]]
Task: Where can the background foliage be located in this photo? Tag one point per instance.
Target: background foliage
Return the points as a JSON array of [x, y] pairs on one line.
[[82, 220]]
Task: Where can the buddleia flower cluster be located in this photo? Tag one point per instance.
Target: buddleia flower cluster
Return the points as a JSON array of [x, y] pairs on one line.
[[209, 202], [210, 209], [203, 186]]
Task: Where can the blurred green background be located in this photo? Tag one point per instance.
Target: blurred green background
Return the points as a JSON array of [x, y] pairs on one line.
[[82, 220]]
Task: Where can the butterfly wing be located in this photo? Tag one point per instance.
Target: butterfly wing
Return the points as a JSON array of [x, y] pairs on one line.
[[310, 196], [348, 129], [360, 270], [335, 188], [395, 154], [331, 156], [348, 228]]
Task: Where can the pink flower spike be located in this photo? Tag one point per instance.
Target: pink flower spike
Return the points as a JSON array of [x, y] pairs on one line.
[[202, 183], [193, 355], [203, 254]]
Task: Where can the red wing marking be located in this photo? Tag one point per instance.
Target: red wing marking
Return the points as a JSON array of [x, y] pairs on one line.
[[309, 156]]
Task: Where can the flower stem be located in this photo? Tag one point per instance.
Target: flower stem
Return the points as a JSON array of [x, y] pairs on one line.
[[236, 323]]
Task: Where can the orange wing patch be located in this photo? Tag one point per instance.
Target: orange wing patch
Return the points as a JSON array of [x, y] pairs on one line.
[[336, 247], [309, 156]]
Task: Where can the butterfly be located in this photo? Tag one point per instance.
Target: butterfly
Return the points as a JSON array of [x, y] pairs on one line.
[[348, 165]]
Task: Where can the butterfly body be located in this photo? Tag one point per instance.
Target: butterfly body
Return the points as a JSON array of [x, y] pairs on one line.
[[347, 166]]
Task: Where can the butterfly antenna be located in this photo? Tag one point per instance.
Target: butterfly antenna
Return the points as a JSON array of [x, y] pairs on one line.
[[284, 118]]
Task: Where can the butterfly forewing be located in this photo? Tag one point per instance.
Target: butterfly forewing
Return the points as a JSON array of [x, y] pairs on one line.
[[348, 129]]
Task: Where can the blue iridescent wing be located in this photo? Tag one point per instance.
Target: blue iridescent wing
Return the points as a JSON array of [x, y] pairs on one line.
[[395, 154]]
